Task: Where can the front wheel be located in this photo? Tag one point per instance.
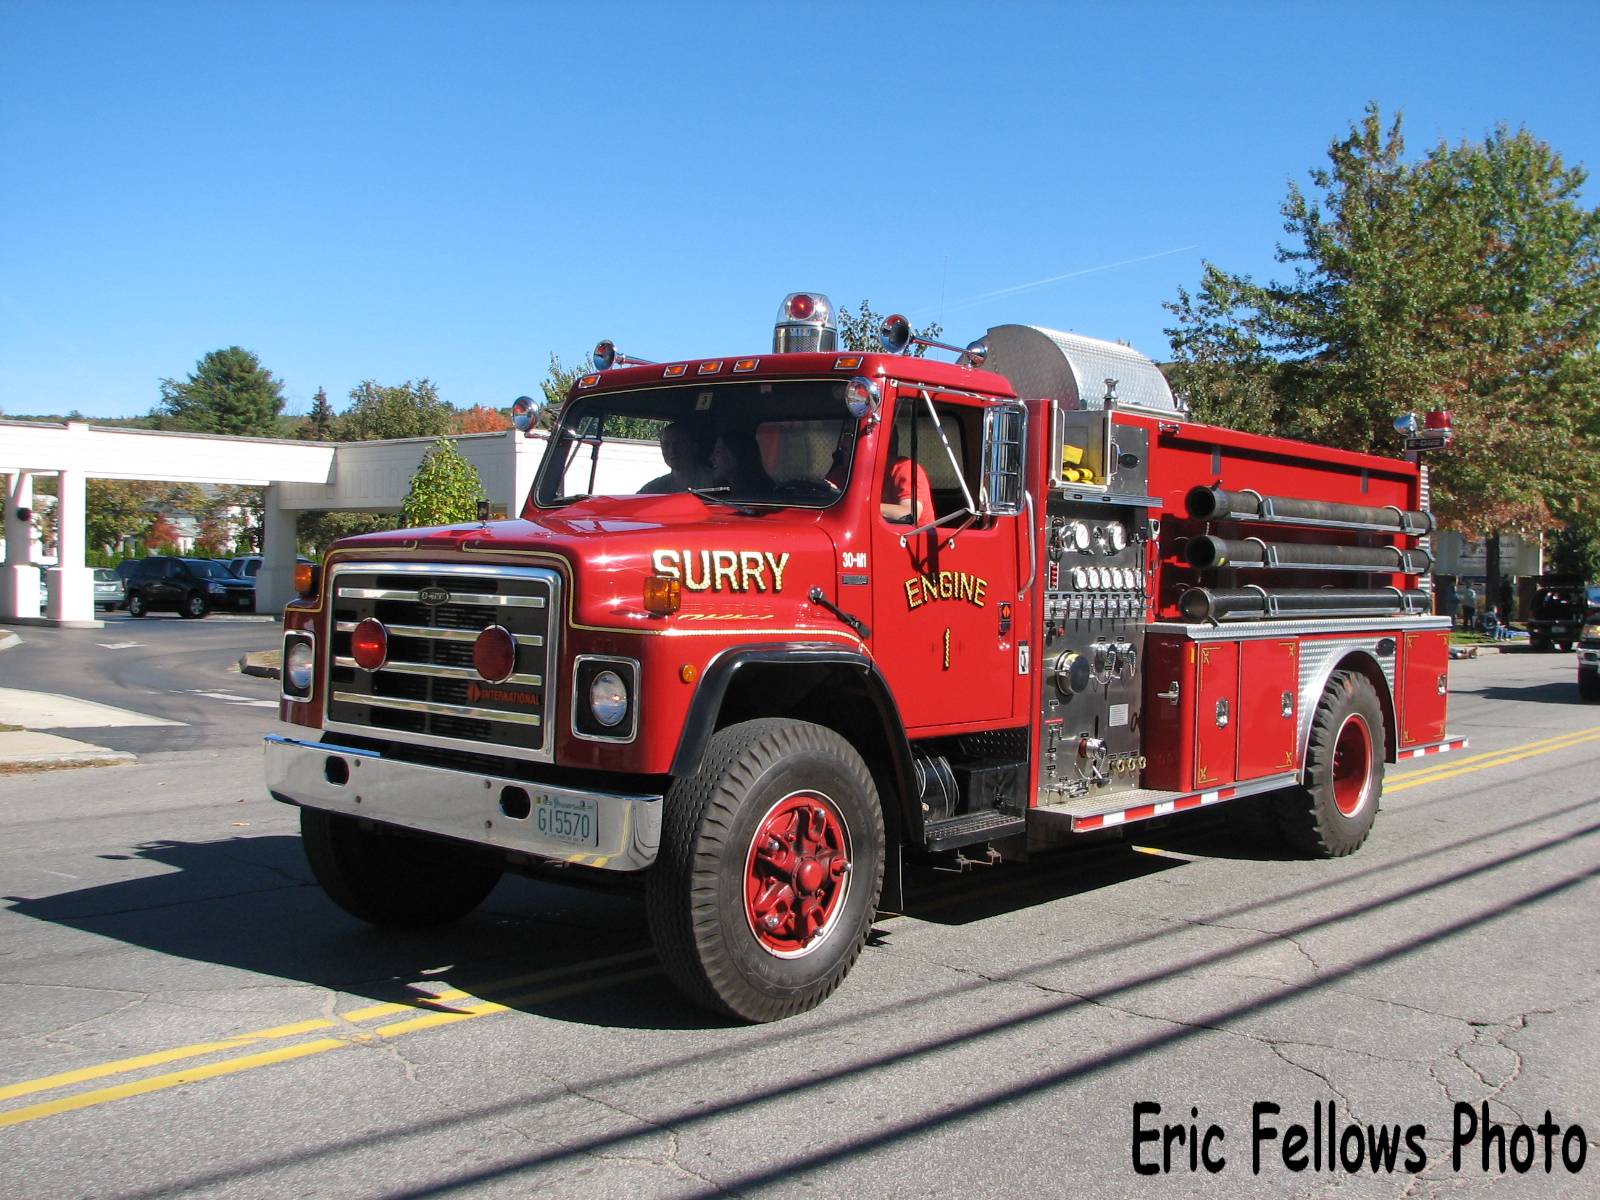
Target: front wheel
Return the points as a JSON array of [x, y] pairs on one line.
[[770, 866], [394, 879], [1589, 685], [194, 606], [1330, 814]]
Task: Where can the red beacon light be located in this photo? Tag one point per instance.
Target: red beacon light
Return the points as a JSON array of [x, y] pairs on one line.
[[805, 325]]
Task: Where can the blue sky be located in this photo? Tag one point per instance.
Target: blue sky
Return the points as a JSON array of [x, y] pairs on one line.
[[390, 191]]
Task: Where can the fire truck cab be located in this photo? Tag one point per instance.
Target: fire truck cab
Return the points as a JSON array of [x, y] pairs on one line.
[[766, 625]]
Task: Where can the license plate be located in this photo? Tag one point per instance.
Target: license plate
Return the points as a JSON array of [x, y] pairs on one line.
[[573, 821]]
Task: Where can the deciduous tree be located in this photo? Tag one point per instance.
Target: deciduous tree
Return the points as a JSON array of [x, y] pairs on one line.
[[160, 535], [480, 418], [412, 409], [446, 489], [859, 330]]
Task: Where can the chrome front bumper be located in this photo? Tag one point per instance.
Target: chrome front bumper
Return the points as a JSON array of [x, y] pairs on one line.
[[465, 805]]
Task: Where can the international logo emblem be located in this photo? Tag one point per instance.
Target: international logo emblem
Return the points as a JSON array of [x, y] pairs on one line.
[[433, 595]]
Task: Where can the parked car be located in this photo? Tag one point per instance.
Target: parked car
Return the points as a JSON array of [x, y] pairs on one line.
[[248, 566], [191, 586], [1558, 608], [108, 589], [1589, 656]]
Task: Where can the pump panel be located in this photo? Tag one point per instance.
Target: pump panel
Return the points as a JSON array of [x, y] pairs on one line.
[[1097, 600]]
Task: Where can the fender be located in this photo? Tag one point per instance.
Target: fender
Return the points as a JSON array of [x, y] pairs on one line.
[[701, 722]]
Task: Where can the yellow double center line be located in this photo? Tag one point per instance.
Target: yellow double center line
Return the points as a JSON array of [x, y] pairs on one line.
[[462, 1006], [1449, 767]]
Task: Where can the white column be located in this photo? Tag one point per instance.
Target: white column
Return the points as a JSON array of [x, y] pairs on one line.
[[71, 583], [275, 583], [19, 578]]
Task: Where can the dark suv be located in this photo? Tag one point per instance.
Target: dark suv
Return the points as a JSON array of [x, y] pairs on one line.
[[1589, 657], [191, 586]]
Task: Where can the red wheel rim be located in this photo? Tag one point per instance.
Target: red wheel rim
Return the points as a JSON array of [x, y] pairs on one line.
[[796, 874], [1352, 765]]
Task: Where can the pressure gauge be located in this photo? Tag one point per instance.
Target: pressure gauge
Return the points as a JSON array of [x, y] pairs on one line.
[[1116, 538], [1120, 577], [1080, 578], [1078, 537]]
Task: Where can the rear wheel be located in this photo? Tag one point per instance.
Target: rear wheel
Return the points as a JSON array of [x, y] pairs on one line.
[[136, 605], [1589, 685], [769, 872], [1566, 647], [1330, 814], [394, 879]]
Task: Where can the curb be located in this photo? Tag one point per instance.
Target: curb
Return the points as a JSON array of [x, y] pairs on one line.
[[89, 757], [261, 663], [8, 639]]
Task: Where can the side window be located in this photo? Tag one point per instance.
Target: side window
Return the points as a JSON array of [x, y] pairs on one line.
[[932, 467], [170, 569]]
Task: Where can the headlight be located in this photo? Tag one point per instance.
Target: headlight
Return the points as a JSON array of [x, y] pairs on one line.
[[216, 589], [608, 699], [297, 666], [1591, 631]]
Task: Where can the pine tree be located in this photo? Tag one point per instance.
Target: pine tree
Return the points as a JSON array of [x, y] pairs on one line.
[[229, 392], [319, 422]]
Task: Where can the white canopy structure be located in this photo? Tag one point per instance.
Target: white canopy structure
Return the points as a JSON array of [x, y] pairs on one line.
[[298, 476]]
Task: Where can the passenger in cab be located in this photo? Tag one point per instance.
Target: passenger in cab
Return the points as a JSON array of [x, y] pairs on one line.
[[683, 449]]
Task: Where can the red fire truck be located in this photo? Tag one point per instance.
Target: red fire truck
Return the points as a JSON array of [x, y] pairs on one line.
[[873, 606]]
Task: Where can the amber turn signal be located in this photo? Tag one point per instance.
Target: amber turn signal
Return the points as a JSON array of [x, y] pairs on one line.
[[305, 578], [662, 594]]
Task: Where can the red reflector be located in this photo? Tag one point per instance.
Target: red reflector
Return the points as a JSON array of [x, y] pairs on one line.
[[801, 306], [495, 654], [369, 644]]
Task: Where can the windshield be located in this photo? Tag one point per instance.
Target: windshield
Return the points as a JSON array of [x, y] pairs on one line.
[[744, 443], [206, 568]]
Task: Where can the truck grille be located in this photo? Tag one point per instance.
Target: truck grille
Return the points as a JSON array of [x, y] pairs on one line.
[[428, 690]]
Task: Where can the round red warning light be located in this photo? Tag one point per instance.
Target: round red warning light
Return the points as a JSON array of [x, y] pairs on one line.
[[495, 654], [801, 306], [369, 644]]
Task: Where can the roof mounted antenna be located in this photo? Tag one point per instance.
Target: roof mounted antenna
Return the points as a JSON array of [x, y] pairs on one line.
[[896, 337]]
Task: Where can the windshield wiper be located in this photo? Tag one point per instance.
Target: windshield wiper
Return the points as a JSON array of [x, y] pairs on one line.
[[711, 496]]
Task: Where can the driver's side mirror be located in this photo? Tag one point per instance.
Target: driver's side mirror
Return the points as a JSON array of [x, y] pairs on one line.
[[1005, 436], [525, 413]]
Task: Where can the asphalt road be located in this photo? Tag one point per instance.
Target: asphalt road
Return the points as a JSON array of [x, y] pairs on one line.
[[183, 1013]]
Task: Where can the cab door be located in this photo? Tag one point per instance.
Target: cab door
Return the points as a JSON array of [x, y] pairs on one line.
[[945, 620]]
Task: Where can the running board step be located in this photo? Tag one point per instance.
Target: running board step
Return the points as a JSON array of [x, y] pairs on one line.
[[950, 832]]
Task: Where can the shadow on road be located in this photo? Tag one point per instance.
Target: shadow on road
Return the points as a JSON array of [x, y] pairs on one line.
[[250, 904], [1563, 692]]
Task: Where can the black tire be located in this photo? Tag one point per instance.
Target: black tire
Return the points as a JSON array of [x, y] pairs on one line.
[[1332, 812], [769, 777], [136, 605], [393, 879], [1566, 647], [1589, 685], [1539, 645], [195, 606]]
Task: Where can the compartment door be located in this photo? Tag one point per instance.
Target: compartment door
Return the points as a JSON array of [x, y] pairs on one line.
[[1269, 699], [1216, 714], [1423, 694]]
